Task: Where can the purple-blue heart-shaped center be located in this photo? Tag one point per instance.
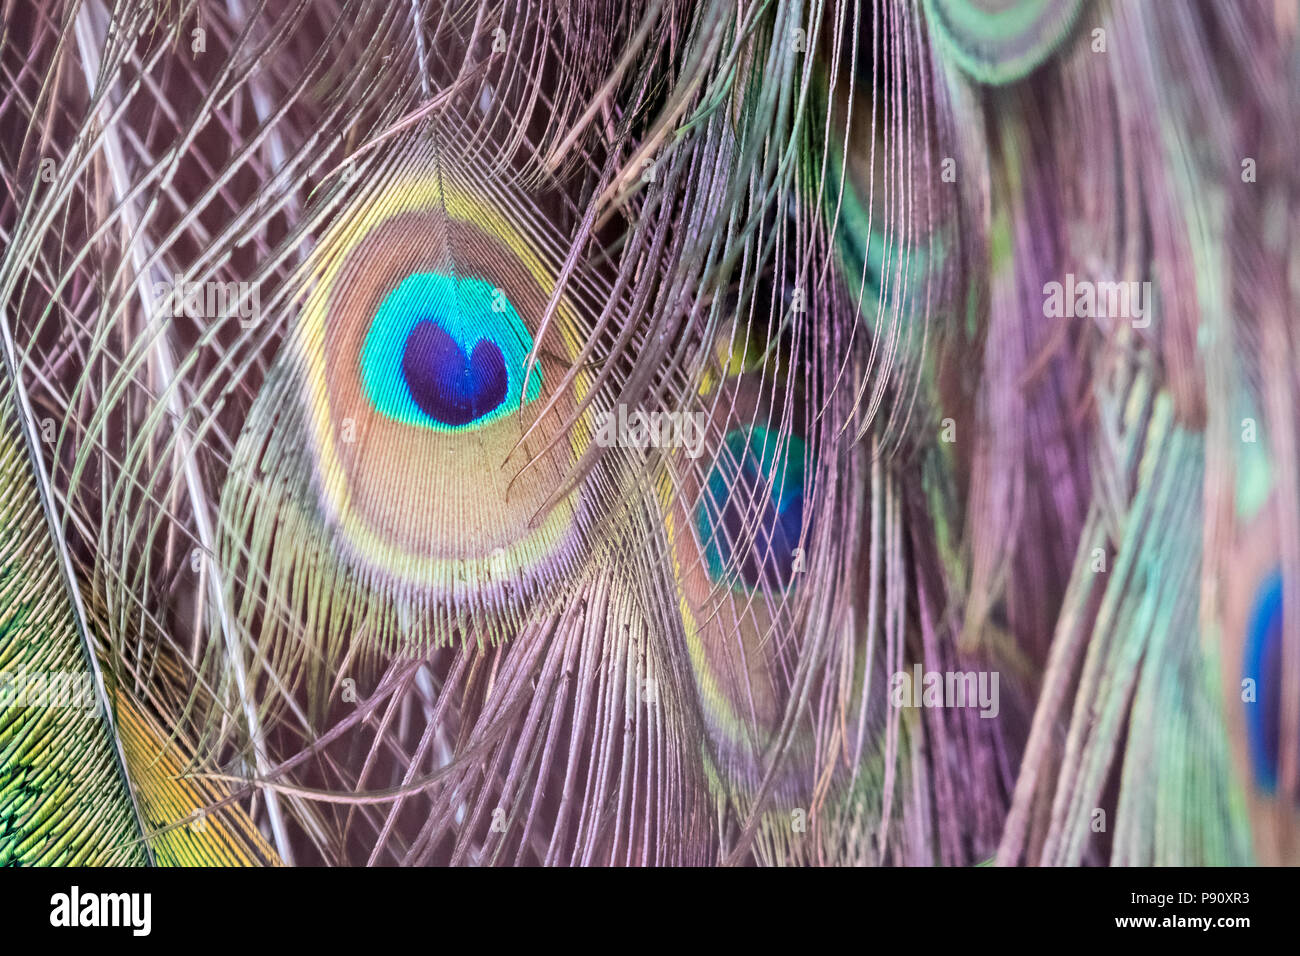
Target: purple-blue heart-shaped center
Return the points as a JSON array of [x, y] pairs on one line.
[[448, 385]]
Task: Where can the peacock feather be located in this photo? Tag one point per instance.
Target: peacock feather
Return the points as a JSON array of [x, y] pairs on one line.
[[660, 433]]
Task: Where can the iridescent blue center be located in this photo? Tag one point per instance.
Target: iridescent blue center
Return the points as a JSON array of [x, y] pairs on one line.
[[1263, 665], [750, 516], [448, 385], [446, 353]]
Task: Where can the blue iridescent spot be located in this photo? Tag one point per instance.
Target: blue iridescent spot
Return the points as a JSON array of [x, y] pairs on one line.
[[753, 501], [1263, 665], [446, 353], [448, 385]]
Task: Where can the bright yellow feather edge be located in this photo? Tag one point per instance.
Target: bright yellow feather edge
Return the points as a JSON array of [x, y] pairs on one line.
[[176, 802]]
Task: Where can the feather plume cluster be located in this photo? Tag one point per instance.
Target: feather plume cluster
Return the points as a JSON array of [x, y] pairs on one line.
[[673, 432]]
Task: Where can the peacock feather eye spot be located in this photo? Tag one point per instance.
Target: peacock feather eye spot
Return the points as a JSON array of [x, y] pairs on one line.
[[446, 353], [1263, 665], [750, 516], [449, 386]]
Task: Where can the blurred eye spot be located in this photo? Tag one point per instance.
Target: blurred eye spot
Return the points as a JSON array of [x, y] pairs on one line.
[[751, 515], [1263, 665]]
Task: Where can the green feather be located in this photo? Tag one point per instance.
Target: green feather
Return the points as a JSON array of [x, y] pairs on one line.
[[64, 799]]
